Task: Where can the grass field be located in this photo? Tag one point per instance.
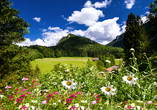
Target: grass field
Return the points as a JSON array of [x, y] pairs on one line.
[[47, 64]]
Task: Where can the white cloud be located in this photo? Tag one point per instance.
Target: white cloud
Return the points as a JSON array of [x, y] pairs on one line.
[[28, 42], [123, 28], [52, 38], [106, 30], [147, 7], [44, 30], [37, 19], [104, 42], [129, 3], [88, 16], [147, 13], [49, 38], [54, 28], [88, 4], [78, 32], [144, 18], [97, 4]]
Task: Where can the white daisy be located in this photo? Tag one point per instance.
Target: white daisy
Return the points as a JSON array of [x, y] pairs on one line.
[[129, 79], [67, 70], [69, 107], [1, 96], [83, 101], [76, 105], [138, 101], [27, 104], [34, 101], [82, 107], [33, 108], [132, 105], [107, 102], [20, 106], [108, 90], [69, 84]]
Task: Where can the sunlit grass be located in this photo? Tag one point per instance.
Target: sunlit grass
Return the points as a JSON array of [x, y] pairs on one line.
[[47, 64]]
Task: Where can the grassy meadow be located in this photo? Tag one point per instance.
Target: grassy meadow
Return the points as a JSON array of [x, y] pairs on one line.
[[47, 64]]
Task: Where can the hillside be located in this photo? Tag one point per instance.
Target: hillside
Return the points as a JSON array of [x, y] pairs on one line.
[[73, 41], [118, 42], [77, 46]]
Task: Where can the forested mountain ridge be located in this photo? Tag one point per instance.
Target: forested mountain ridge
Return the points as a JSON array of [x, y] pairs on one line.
[[77, 46]]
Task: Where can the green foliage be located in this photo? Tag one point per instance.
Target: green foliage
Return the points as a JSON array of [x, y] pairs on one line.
[[153, 8], [15, 64], [12, 27], [100, 65], [135, 37]]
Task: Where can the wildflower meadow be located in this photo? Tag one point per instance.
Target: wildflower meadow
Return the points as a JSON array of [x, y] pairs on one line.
[[84, 88]]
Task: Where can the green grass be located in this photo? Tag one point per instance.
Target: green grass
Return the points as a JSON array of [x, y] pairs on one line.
[[47, 64]]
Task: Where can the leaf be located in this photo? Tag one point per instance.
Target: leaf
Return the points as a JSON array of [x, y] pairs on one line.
[[155, 97]]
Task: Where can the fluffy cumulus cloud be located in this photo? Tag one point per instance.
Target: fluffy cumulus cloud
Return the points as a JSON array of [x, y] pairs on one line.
[[28, 42], [37, 19], [106, 30], [129, 3], [98, 4], [50, 38], [88, 16]]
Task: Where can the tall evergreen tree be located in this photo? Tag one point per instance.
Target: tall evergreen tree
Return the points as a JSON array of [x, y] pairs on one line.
[[14, 61], [135, 37], [12, 27]]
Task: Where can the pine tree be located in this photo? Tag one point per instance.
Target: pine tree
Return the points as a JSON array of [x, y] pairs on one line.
[[12, 27], [135, 37], [14, 61]]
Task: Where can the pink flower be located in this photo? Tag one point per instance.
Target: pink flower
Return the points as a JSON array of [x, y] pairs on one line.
[[24, 89], [149, 102], [94, 102], [20, 87], [56, 92], [44, 102], [98, 99], [25, 79]]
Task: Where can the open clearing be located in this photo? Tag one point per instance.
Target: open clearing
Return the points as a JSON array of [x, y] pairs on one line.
[[47, 64]]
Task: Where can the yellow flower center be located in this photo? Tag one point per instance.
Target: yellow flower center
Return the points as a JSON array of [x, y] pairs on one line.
[[129, 78], [68, 83], [107, 89]]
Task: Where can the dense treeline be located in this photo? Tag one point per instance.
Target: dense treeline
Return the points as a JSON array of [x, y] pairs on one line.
[[87, 51], [76, 46]]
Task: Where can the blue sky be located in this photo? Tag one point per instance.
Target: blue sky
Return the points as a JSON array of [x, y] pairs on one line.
[[99, 20]]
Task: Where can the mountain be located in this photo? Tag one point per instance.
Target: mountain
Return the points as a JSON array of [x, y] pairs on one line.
[[74, 41], [118, 42]]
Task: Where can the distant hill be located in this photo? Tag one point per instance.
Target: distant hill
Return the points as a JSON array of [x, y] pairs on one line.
[[118, 42], [74, 41]]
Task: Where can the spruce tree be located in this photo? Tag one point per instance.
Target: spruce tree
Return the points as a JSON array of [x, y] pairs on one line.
[[135, 37], [14, 62]]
